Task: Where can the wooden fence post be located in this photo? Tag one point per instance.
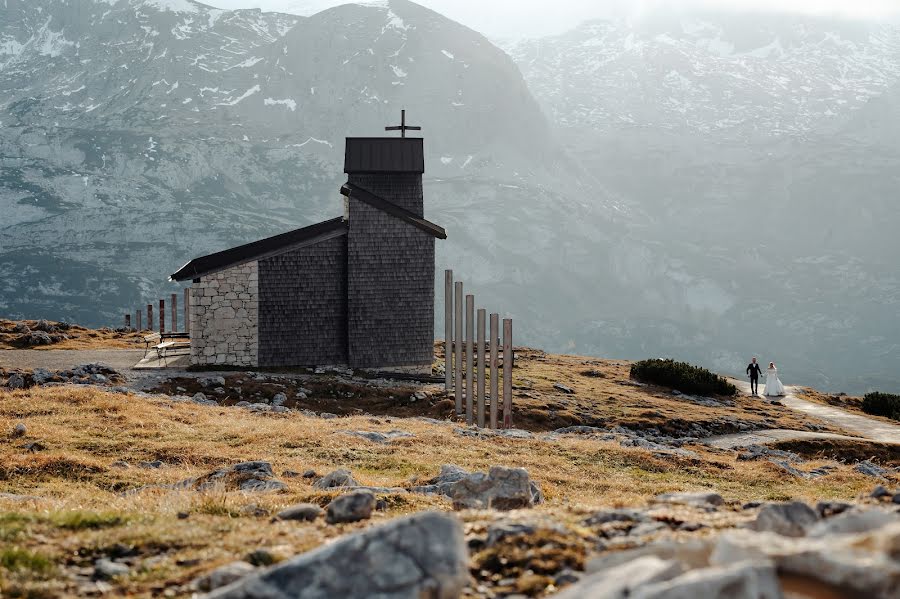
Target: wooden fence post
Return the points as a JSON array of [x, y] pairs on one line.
[[187, 310], [448, 330], [507, 372], [470, 354], [149, 317], [128, 321], [479, 370], [458, 345], [162, 316], [494, 362], [138, 314], [174, 312]]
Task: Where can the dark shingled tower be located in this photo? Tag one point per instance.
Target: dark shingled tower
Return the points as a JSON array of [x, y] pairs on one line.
[[390, 275]]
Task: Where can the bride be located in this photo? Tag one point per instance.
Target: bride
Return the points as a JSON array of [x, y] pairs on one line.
[[774, 388]]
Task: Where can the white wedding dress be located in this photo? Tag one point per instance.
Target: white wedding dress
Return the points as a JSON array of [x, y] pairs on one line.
[[774, 388]]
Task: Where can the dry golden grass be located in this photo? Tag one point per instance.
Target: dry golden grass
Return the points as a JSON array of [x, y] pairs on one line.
[[78, 338], [82, 513]]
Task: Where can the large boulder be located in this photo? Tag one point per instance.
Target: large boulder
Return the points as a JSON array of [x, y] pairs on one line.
[[409, 558], [500, 489]]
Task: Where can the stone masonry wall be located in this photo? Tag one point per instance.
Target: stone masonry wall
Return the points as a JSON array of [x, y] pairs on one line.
[[225, 317]]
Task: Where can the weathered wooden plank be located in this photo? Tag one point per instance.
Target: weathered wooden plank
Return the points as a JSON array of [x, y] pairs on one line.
[[470, 354], [138, 314], [493, 344], [507, 372], [162, 316], [187, 309], [174, 312], [128, 321], [149, 317], [457, 347], [479, 352], [448, 330]]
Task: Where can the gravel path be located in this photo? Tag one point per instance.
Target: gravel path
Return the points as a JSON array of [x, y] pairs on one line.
[[864, 428]]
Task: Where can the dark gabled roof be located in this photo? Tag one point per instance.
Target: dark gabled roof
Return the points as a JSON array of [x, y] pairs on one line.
[[384, 155], [271, 246], [358, 193]]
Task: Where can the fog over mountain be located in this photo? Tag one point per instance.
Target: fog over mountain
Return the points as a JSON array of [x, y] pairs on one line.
[[705, 186]]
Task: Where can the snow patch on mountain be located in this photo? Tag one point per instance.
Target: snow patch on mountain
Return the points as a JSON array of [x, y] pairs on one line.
[[288, 103]]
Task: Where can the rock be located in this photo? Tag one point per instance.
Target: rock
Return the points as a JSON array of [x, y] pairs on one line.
[[327, 416], [255, 511], [500, 530], [580, 430], [34, 338], [279, 399], [854, 522], [105, 569], [743, 580], [377, 437], [309, 474], [41, 376], [870, 469], [15, 381], [223, 575], [120, 464], [21, 327], [501, 489], [419, 556], [33, 447], [19, 430], [791, 519], [351, 507], [245, 476], [879, 492], [700, 499], [290, 474], [306, 512], [198, 397], [150, 465], [45, 326], [758, 452], [616, 515], [622, 580], [827, 509], [336, 479], [896, 498], [563, 388]]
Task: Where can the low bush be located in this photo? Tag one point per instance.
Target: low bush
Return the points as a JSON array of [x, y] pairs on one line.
[[681, 376], [882, 404]]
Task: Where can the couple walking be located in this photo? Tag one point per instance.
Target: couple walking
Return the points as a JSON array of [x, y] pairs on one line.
[[773, 388]]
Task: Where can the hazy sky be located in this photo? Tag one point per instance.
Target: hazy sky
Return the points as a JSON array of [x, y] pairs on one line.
[[503, 19]]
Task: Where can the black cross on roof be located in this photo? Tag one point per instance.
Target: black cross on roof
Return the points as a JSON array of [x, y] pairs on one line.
[[403, 128]]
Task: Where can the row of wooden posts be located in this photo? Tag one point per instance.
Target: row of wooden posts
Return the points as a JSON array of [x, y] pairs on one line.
[[464, 358], [173, 304]]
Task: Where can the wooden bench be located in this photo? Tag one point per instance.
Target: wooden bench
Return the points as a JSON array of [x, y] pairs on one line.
[[163, 350], [163, 342]]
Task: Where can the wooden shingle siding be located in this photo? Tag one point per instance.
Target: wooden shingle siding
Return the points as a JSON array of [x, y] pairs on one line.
[[303, 306], [390, 278]]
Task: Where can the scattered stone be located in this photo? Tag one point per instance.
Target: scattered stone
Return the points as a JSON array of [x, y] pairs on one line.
[[791, 519], [377, 437], [19, 430], [827, 509], [41, 376], [700, 499], [854, 522], [15, 381], [306, 512], [758, 452], [503, 529], [563, 388], [34, 339], [279, 399], [33, 447], [744, 580], [622, 580], [327, 415], [309, 474], [255, 511], [223, 575], [616, 515], [150, 465], [879, 492], [418, 556], [351, 507], [870, 469], [336, 479], [500, 489], [245, 476], [290, 474], [182, 515], [106, 569], [120, 464]]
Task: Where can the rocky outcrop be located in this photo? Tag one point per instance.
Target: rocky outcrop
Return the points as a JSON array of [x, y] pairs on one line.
[[409, 558]]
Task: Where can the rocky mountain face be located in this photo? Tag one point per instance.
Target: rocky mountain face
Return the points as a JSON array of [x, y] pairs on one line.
[[137, 134], [703, 186], [755, 158]]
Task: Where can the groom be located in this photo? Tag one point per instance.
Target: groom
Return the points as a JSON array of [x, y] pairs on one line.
[[754, 371]]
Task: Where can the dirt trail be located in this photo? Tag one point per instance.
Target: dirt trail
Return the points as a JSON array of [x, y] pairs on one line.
[[864, 428], [61, 359]]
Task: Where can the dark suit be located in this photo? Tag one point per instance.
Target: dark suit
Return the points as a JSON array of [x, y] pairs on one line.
[[754, 371]]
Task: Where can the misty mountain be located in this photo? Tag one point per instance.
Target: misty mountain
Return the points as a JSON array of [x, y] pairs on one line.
[[758, 153], [135, 135], [703, 187]]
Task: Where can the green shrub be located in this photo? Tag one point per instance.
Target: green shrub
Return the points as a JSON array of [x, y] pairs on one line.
[[882, 404], [681, 376]]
